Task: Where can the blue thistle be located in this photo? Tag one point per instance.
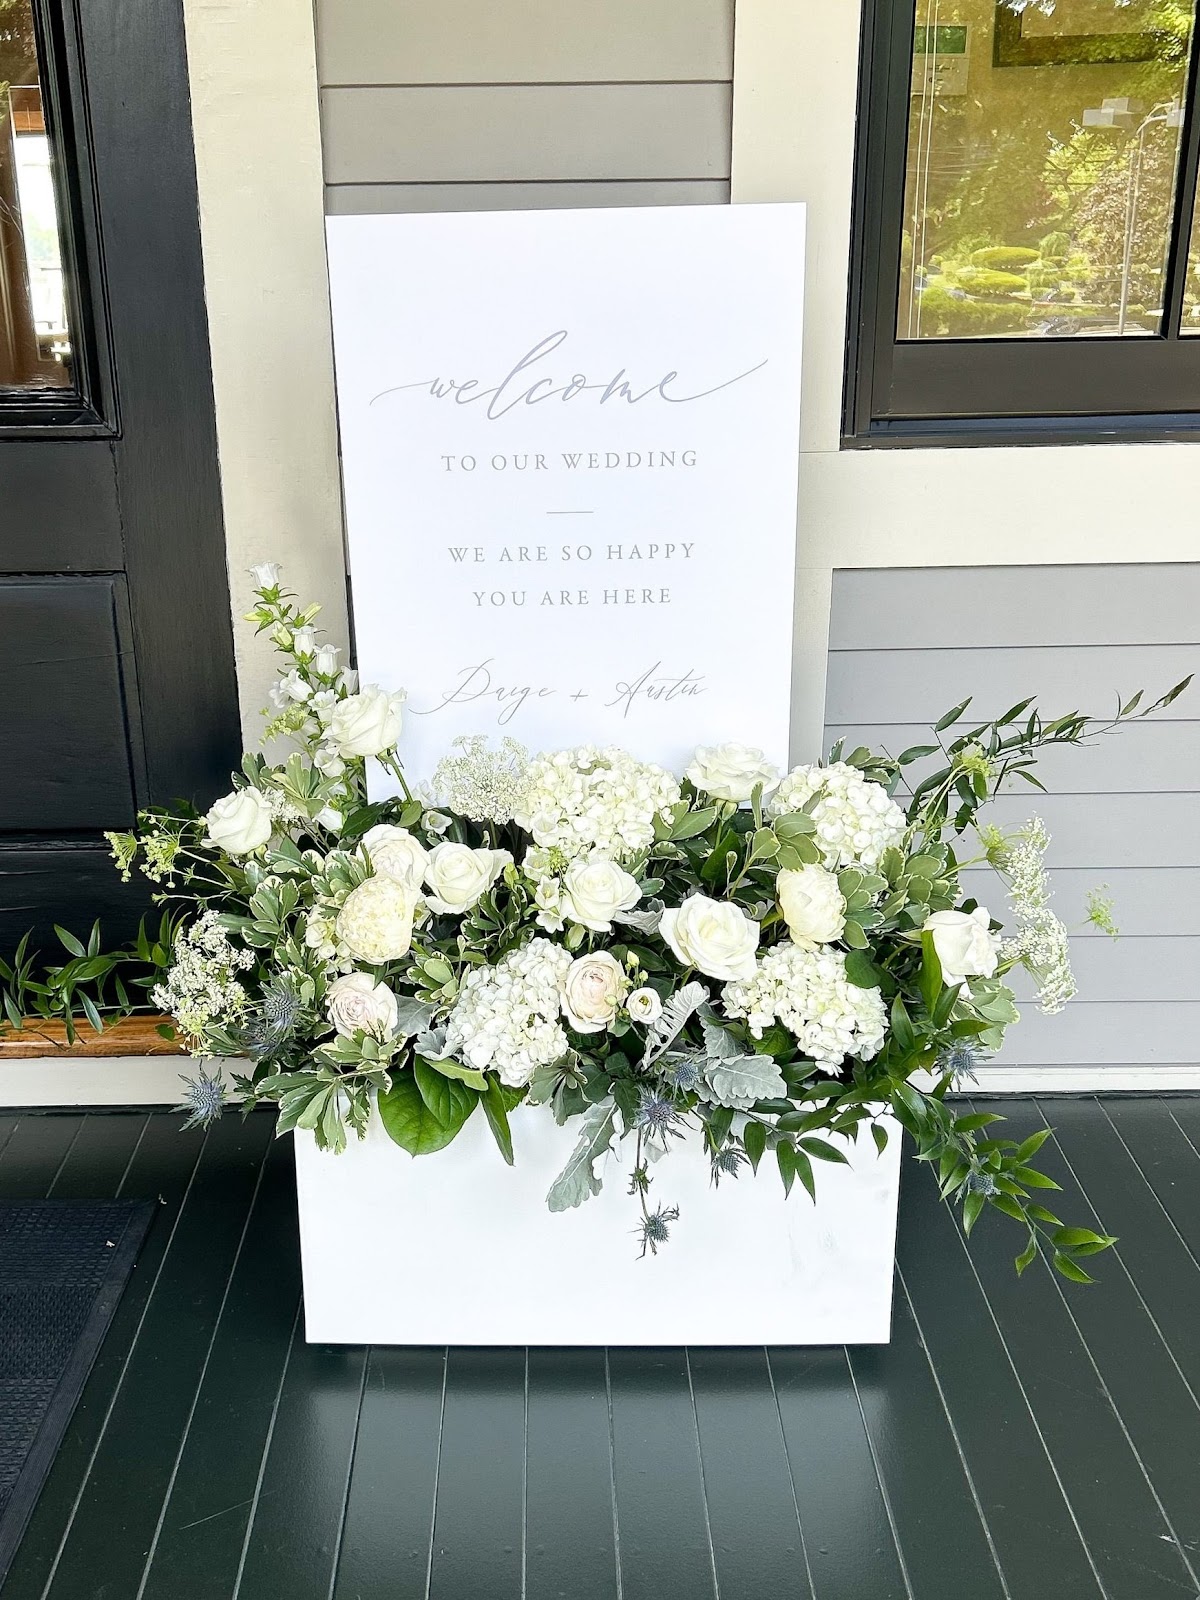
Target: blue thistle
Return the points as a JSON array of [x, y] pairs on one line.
[[683, 1072], [203, 1100], [272, 1028], [656, 1228], [656, 1116], [959, 1060], [726, 1163], [981, 1183]]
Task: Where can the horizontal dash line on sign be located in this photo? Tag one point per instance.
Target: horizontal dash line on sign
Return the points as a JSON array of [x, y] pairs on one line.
[[570, 513]]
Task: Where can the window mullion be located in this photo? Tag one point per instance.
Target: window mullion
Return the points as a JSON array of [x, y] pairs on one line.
[[1185, 196]]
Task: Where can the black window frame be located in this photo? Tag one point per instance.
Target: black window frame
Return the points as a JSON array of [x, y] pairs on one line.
[[87, 408], [1075, 389]]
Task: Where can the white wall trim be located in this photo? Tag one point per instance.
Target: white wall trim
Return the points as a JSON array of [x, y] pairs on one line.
[[252, 67], [157, 1081]]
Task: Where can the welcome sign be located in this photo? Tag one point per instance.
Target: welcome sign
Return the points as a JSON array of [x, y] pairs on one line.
[[569, 444]]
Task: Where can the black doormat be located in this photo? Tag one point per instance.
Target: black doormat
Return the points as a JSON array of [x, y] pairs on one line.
[[63, 1266]]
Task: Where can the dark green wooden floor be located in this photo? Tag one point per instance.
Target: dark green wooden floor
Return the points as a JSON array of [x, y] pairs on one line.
[[1023, 1440]]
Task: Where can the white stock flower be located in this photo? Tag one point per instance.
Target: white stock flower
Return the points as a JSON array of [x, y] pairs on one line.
[[366, 723], [732, 771], [375, 922], [807, 991], [458, 876], [594, 891], [813, 906], [856, 820], [714, 936], [265, 575], [357, 1004], [587, 801], [592, 991], [396, 853], [644, 1005], [239, 823], [965, 946], [507, 1018]]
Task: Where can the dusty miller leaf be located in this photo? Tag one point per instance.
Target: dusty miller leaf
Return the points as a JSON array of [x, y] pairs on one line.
[[676, 1014], [412, 1016], [739, 1081], [577, 1181], [645, 921]]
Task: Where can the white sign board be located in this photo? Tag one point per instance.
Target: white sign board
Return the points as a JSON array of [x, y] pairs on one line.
[[569, 445]]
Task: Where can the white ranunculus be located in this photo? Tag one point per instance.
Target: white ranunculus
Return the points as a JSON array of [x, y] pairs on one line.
[[732, 771], [594, 891], [357, 1004], [713, 935], [813, 906], [965, 946], [396, 853], [366, 723], [458, 875], [239, 823], [592, 991], [265, 575], [375, 922], [644, 1005]]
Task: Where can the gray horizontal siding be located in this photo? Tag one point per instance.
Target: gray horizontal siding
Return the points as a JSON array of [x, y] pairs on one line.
[[524, 41], [526, 132], [906, 643], [359, 199]]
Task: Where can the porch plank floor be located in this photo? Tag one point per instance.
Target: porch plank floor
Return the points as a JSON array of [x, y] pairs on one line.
[[1016, 1441]]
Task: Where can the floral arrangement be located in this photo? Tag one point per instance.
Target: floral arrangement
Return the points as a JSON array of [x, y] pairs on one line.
[[767, 962]]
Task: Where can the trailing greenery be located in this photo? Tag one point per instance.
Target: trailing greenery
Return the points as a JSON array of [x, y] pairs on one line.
[[92, 985]]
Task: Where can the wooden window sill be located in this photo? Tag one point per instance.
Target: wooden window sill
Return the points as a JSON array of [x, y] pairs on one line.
[[134, 1036]]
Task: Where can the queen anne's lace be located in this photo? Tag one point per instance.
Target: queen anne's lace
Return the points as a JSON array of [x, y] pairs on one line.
[[856, 820], [1041, 942], [807, 991], [507, 1017], [202, 988], [589, 800], [485, 785]]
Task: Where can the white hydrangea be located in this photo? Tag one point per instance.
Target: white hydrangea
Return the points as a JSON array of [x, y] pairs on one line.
[[507, 1017], [589, 800], [201, 987], [807, 991], [856, 820], [485, 785]]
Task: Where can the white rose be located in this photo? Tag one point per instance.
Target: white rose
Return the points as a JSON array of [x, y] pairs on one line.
[[714, 935], [357, 1004], [592, 991], [458, 875], [732, 771], [239, 822], [366, 723], [594, 891], [644, 1005], [396, 853], [813, 906], [375, 923], [965, 946], [265, 575]]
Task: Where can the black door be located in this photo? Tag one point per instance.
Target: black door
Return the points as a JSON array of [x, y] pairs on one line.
[[116, 665]]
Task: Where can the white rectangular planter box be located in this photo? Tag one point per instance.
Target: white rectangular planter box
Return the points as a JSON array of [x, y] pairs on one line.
[[458, 1248]]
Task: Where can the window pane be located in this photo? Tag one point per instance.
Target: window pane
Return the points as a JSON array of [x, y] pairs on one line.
[[35, 340], [1043, 142], [1191, 286]]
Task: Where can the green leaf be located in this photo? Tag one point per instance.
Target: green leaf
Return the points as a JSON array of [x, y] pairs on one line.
[[931, 973], [916, 752], [578, 1181], [693, 823], [450, 1101], [1032, 1145], [754, 1141], [861, 970], [902, 1028], [804, 1172], [785, 1157], [496, 1111], [449, 1068], [1071, 1269], [880, 1135], [90, 1012], [69, 941], [972, 1205], [409, 1120], [824, 1152], [853, 935], [1027, 1255], [952, 715]]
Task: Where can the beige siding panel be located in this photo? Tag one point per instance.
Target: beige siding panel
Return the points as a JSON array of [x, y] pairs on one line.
[[1148, 902], [364, 199], [523, 41], [1141, 1034], [526, 133]]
